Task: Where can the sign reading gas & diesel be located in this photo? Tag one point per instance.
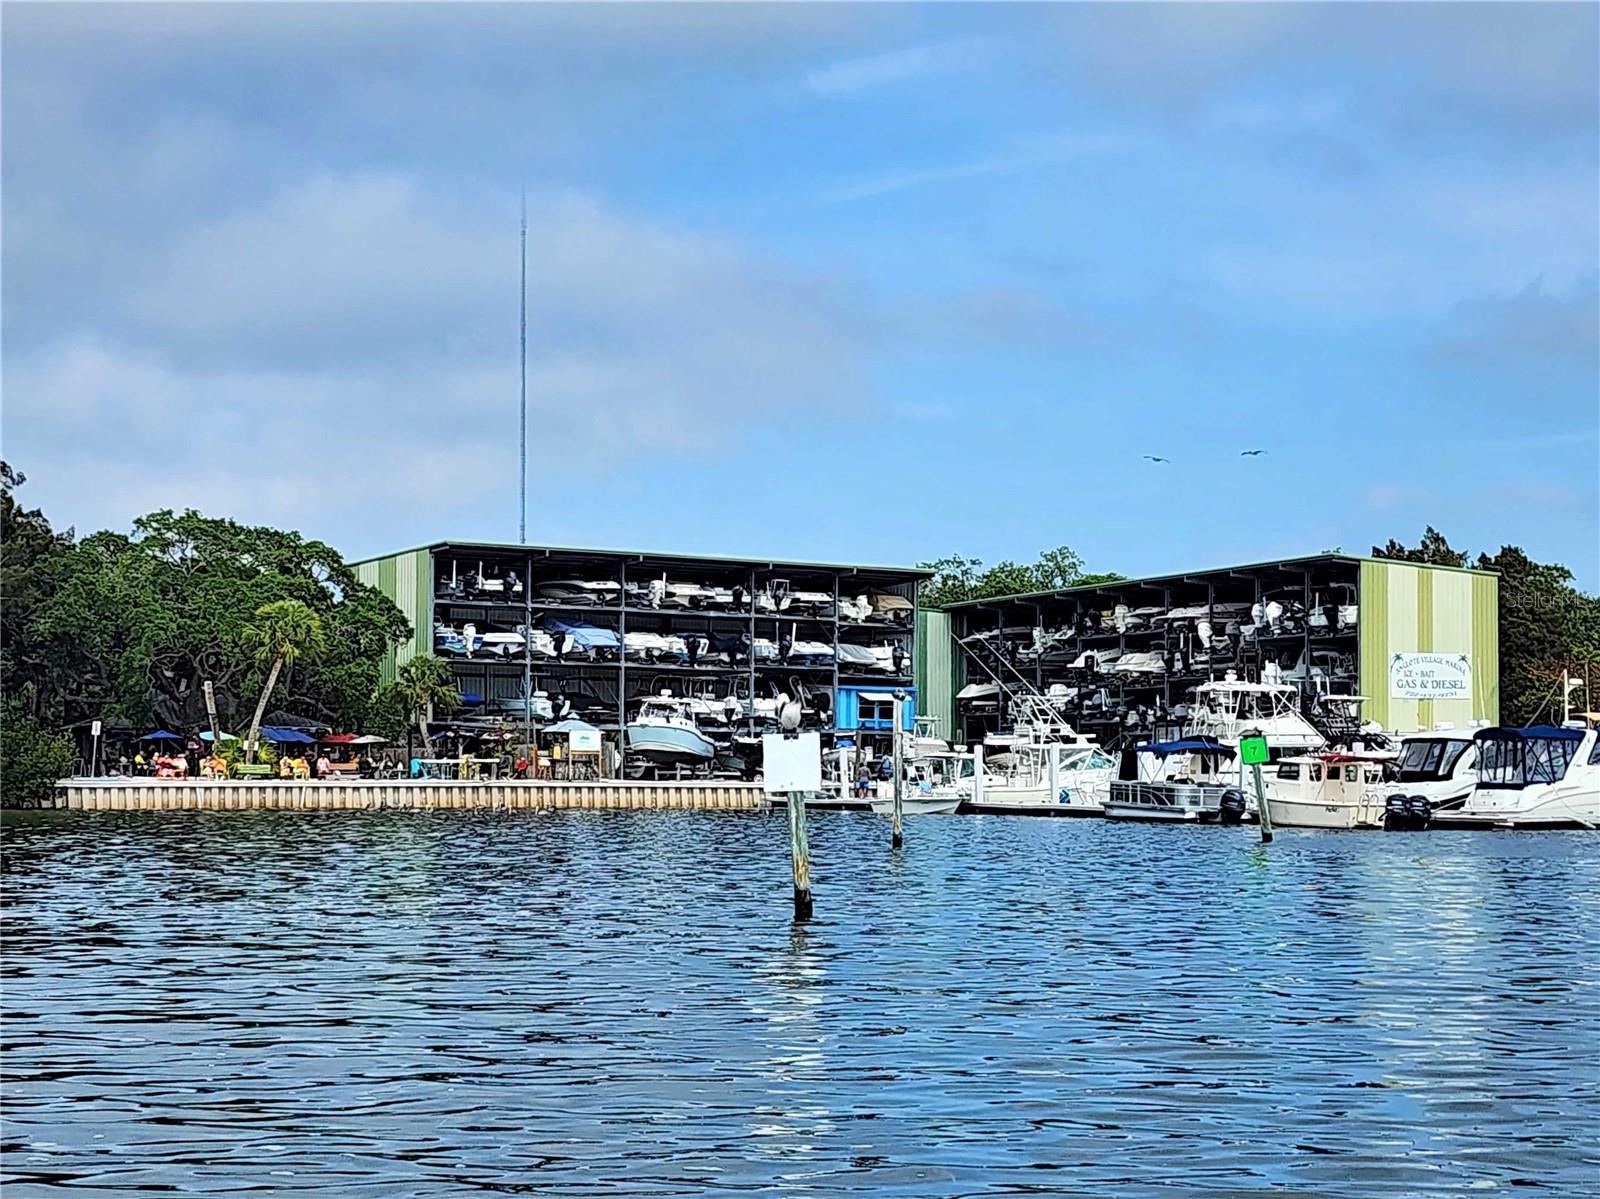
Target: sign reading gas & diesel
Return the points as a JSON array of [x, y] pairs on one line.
[[1430, 676]]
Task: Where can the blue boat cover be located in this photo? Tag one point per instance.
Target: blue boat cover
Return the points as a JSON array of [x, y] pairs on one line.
[[1534, 732], [584, 636], [283, 736], [1190, 745]]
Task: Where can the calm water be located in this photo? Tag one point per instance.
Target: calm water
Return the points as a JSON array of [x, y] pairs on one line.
[[617, 1004]]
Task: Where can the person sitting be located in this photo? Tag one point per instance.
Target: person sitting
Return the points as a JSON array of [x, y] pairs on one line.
[[285, 767]]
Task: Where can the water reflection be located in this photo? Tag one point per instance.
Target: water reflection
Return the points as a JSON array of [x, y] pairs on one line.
[[399, 1003]]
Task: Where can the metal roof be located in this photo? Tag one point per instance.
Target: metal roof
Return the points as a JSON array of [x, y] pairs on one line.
[[905, 573], [1179, 575]]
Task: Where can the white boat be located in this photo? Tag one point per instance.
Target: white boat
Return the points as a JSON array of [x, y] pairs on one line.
[[1191, 780], [664, 734], [582, 592], [1434, 774], [1540, 777], [917, 799], [1042, 770], [1328, 790]]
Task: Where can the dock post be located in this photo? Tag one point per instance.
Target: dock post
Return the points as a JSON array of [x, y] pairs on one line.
[[897, 838], [799, 856], [1262, 813], [1252, 752]]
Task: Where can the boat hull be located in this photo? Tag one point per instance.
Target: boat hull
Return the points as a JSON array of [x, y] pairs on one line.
[[918, 805], [668, 745], [1296, 813]]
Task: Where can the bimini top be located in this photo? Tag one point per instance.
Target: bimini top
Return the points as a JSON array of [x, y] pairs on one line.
[[1189, 745], [1534, 732]]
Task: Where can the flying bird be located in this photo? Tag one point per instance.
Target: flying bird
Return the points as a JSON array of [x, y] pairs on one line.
[[1153, 458], [1250, 453]]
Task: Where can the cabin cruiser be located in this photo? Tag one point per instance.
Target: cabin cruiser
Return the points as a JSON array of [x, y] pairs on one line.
[[1335, 790], [1225, 709], [1191, 780], [1545, 776], [1433, 773], [664, 734]]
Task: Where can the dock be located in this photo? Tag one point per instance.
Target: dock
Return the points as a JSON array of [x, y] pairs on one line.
[[150, 795]]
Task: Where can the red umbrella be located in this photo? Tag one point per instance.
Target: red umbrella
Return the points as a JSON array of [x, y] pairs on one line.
[[338, 739]]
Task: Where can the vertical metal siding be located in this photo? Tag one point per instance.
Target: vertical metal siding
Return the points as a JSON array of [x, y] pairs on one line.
[[936, 686], [1412, 608], [1486, 647]]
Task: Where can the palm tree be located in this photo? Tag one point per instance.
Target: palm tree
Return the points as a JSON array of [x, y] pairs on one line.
[[284, 632], [426, 685]]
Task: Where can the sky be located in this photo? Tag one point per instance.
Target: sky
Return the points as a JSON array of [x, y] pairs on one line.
[[874, 283]]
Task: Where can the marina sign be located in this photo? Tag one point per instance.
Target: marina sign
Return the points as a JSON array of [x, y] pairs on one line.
[[1430, 676]]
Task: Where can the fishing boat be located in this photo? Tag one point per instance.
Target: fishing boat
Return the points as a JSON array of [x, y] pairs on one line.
[[1545, 776], [579, 592], [1332, 790], [665, 734], [1190, 780], [1041, 770]]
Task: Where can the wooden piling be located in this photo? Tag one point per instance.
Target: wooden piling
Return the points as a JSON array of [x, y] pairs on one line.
[[1262, 813], [799, 856], [897, 837]]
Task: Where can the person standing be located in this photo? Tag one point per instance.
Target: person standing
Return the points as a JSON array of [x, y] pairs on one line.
[[191, 757]]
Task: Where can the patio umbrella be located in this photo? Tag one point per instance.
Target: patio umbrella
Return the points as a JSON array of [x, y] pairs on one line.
[[161, 735], [370, 739], [206, 736], [339, 739]]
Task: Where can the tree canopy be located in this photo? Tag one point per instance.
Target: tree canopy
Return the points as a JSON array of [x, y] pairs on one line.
[[1547, 626], [131, 625], [958, 578]]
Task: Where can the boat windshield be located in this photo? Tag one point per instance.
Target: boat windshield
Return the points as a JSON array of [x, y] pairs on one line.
[[1289, 770], [1088, 759], [1423, 761], [1512, 762]]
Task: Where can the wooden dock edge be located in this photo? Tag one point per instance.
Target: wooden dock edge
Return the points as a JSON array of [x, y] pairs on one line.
[[150, 795]]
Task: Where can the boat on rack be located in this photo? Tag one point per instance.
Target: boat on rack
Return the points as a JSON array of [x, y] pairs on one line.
[[1332, 790], [1192, 780], [580, 592], [664, 734], [1545, 776]]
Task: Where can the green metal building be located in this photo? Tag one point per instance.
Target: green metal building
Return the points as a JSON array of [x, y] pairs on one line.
[[1420, 642]]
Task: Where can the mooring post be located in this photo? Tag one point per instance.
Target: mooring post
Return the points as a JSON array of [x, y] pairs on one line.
[[1252, 752], [1262, 813], [897, 836], [799, 856]]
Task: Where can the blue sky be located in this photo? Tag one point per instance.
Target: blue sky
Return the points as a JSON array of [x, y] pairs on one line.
[[872, 283]]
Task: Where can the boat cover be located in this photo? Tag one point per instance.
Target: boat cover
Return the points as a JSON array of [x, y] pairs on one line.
[[584, 636], [1189, 745], [1535, 732]]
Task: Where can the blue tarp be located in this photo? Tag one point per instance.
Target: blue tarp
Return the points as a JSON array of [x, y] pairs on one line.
[[1191, 745], [281, 736], [584, 636], [1535, 732]]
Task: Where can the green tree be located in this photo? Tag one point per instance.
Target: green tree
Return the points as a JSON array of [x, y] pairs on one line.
[[32, 759], [424, 686], [284, 632], [1432, 549], [30, 556], [957, 578]]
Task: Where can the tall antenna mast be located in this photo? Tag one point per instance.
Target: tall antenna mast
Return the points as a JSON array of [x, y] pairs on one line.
[[522, 349]]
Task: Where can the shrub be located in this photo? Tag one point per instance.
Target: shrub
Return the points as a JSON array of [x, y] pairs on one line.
[[32, 761]]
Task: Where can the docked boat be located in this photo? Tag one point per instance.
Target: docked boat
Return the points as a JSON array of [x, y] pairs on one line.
[[584, 593], [665, 734], [1192, 780], [1043, 770], [1332, 790], [1434, 774], [1545, 776]]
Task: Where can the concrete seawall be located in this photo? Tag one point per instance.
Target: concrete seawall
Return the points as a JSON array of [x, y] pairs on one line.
[[124, 795]]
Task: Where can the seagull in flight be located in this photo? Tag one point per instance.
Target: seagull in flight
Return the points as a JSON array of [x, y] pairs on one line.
[[1250, 453], [1153, 458]]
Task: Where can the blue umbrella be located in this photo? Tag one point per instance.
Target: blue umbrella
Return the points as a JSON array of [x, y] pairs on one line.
[[161, 735]]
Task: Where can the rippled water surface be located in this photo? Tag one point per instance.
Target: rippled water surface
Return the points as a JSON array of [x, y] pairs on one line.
[[618, 1004]]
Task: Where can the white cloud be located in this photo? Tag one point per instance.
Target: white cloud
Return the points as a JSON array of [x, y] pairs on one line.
[[850, 76], [1032, 155]]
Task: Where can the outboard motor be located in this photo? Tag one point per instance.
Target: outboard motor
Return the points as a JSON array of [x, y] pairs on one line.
[[1230, 808], [1394, 813], [1419, 811]]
